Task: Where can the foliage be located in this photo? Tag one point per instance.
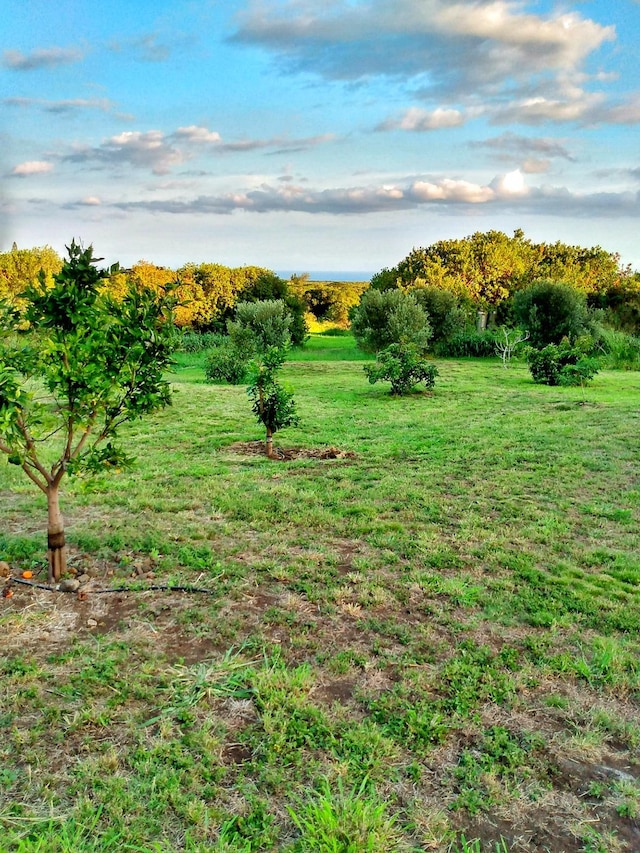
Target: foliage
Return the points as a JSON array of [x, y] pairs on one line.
[[261, 331], [20, 268], [620, 351], [268, 287], [100, 362], [469, 343], [486, 268], [389, 317], [199, 341], [260, 326], [561, 364], [226, 363], [272, 404], [446, 316], [550, 311], [404, 366], [328, 301], [620, 303]]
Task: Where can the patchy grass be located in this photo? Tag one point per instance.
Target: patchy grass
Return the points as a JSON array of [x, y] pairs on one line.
[[429, 644]]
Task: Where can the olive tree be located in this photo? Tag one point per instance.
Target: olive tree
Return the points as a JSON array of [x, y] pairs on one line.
[[74, 366]]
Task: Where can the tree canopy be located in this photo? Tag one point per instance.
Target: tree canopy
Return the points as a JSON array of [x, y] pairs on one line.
[[486, 268], [75, 364]]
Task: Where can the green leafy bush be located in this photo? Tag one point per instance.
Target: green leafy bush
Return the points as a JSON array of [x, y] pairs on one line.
[[550, 311], [404, 366], [260, 325], [445, 314], [561, 365], [389, 317], [226, 363], [199, 341], [468, 343], [271, 403]]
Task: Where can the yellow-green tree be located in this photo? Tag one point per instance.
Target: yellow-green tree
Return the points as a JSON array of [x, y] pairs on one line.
[[20, 268]]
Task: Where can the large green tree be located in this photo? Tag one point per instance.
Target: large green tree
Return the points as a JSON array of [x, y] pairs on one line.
[[75, 364], [487, 268]]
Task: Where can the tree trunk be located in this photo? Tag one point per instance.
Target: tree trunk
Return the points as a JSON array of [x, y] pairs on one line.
[[57, 552], [269, 443]]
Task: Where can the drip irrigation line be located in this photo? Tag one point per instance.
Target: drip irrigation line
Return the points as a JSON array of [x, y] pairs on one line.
[[151, 587]]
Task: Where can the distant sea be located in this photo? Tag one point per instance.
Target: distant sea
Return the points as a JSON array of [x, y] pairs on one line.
[[330, 275]]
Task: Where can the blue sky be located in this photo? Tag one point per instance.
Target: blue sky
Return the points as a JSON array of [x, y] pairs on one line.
[[317, 134]]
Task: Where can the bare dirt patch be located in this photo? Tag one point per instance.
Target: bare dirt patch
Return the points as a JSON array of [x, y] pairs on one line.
[[282, 454]]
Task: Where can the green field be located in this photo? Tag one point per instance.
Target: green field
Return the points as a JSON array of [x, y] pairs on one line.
[[428, 643]]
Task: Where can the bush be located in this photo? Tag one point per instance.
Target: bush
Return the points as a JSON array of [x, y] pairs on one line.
[[268, 287], [226, 363], [199, 341], [404, 366], [260, 325], [550, 311], [446, 317], [561, 365], [389, 317], [621, 352], [468, 343]]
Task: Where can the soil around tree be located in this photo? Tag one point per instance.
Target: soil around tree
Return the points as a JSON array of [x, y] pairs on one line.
[[286, 454]]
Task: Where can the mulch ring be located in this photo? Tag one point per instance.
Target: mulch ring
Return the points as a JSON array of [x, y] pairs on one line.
[[256, 448]]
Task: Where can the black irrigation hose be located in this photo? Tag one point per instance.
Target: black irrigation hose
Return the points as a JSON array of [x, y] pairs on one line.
[[153, 587]]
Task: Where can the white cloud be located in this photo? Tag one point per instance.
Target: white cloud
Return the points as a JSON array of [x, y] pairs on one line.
[[515, 145], [32, 167], [469, 47], [161, 152], [145, 48], [198, 135], [148, 150], [448, 190], [424, 120], [511, 184], [505, 193], [44, 57]]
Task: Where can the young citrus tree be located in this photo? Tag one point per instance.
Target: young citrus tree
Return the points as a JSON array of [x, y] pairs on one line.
[[74, 366], [272, 403], [261, 330]]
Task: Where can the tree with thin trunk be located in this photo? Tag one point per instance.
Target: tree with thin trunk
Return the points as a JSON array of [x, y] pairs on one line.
[[75, 364], [272, 403]]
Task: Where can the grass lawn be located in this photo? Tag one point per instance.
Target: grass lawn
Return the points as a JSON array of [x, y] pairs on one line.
[[429, 643]]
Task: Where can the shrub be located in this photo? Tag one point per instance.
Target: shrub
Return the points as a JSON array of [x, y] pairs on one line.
[[404, 366], [226, 363], [268, 287], [468, 343], [561, 365], [621, 351], [389, 317], [550, 311], [260, 325], [199, 341], [445, 314]]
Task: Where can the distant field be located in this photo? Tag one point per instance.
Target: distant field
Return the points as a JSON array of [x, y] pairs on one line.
[[428, 643]]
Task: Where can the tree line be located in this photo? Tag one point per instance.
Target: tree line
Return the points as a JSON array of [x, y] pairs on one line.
[[206, 294], [485, 270]]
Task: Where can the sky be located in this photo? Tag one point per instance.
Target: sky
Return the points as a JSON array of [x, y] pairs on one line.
[[306, 135]]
